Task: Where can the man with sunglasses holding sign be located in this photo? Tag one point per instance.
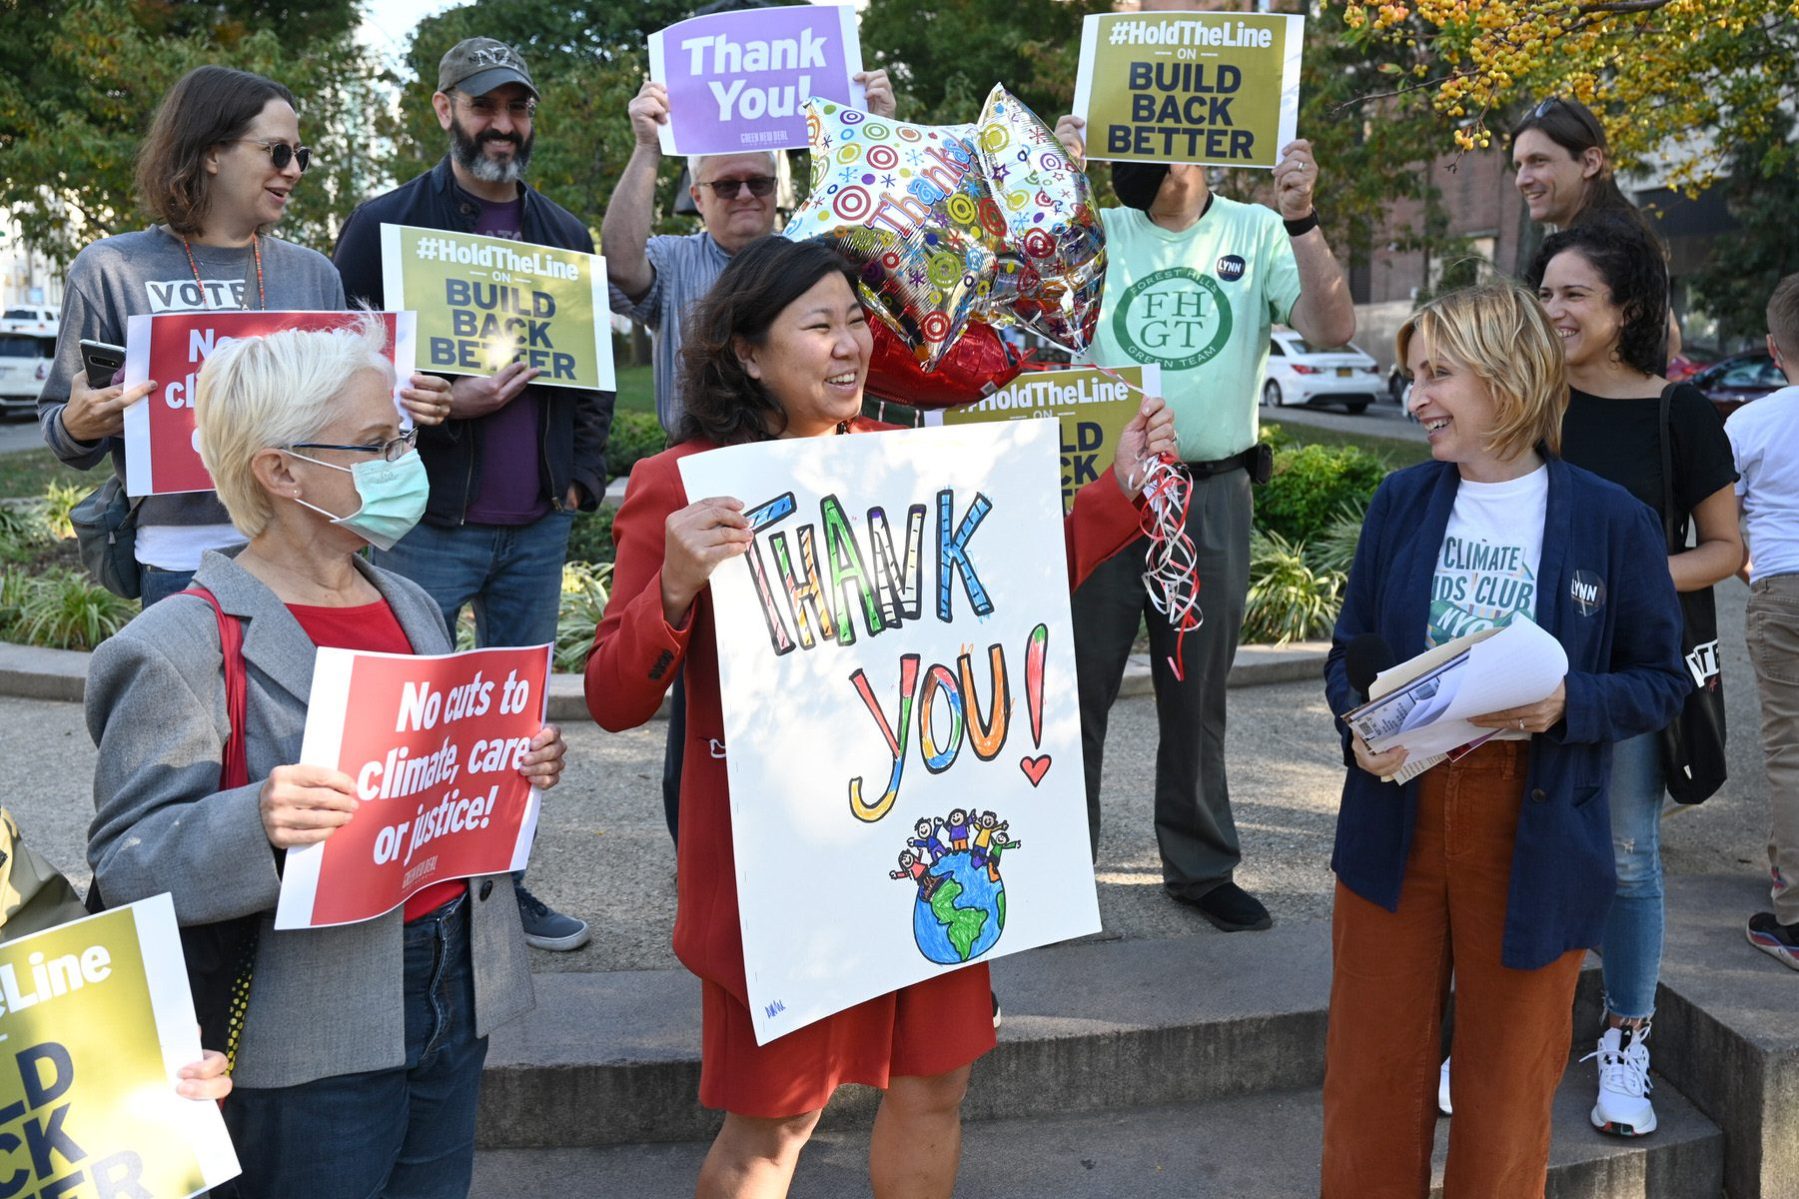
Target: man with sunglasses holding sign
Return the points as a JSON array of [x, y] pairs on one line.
[[513, 462], [656, 280]]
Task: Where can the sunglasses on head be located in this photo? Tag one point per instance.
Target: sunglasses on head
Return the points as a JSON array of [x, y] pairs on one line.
[[727, 189], [280, 153], [1585, 119]]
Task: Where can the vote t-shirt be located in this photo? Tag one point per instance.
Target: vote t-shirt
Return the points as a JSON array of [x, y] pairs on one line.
[[1486, 572], [510, 488]]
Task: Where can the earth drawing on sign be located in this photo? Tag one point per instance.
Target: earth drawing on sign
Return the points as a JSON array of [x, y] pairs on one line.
[[960, 907]]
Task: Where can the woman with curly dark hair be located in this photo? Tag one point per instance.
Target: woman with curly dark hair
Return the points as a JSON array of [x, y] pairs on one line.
[[779, 348], [1605, 287]]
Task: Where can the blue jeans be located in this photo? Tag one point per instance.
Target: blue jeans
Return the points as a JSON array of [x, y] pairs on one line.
[[157, 584], [1633, 932], [405, 1133], [512, 574]]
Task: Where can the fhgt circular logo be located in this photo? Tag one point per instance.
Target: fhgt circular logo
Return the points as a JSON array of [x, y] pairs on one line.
[[1176, 317]]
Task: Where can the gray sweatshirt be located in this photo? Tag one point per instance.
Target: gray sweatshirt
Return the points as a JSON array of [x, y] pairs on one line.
[[148, 272]]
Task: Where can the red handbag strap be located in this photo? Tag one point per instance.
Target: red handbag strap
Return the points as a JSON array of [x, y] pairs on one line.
[[236, 769]]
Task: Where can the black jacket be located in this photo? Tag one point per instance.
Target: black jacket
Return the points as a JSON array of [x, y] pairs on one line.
[[575, 423]]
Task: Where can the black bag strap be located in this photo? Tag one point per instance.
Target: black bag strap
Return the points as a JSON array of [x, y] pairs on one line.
[[1666, 436]]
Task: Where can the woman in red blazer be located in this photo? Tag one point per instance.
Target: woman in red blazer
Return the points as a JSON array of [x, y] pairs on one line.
[[780, 349]]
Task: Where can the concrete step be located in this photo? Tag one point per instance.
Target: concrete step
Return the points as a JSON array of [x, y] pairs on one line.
[[1257, 1146], [1725, 1031], [614, 1058]]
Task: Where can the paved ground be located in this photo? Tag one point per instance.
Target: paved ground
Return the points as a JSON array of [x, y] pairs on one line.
[[19, 434], [604, 854], [1378, 420]]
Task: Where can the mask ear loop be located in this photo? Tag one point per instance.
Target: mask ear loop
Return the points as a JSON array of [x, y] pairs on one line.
[[1171, 564]]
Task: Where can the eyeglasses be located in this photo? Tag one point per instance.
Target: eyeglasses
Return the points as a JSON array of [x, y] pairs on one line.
[[280, 153], [730, 189], [518, 110], [391, 450]]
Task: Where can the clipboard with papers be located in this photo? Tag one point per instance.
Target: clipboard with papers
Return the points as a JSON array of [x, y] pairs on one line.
[[1425, 703]]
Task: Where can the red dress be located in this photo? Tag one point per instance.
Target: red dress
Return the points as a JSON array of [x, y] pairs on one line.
[[926, 1029]]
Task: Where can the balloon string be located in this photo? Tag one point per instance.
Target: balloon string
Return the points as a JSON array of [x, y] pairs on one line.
[[1171, 564]]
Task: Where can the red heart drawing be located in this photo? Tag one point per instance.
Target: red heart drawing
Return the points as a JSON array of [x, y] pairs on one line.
[[1034, 768]]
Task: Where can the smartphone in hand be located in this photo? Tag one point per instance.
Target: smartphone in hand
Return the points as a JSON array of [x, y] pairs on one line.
[[102, 361]]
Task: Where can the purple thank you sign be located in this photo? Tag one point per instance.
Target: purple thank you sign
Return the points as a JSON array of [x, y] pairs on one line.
[[739, 81]]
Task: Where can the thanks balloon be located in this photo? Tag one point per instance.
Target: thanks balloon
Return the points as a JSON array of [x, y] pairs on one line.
[[904, 204]]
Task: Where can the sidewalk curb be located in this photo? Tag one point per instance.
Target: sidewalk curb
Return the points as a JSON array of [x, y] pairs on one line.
[[27, 672]]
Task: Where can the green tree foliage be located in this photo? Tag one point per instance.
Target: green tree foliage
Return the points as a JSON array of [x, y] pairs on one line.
[[79, 81], [587, 59], [945, 55], [1762, 193]]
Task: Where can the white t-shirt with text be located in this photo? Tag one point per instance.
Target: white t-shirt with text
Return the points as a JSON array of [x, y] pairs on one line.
[[1764, 436]]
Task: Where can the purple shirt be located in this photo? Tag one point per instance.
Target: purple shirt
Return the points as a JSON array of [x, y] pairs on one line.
[[511, 487]]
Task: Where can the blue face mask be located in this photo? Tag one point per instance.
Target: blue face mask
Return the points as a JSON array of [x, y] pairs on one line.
[[393, 498]]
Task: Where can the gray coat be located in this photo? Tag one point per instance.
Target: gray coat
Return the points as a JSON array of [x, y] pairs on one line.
[[323, 1001]]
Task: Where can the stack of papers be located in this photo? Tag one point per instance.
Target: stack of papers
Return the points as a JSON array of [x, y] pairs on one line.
[[1425, 704]]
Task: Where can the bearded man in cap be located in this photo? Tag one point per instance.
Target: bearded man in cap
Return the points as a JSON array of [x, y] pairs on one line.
[[513, 462], [1194, 282]]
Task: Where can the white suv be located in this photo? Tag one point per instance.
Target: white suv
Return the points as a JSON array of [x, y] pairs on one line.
[[1299, 373], [24, 365]]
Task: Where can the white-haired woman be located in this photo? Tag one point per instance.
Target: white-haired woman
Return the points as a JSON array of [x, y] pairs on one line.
[[361, 1050]]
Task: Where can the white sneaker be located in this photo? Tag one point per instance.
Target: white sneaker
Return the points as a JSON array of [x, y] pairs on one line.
[[1623, 1108], [1443, 1088]]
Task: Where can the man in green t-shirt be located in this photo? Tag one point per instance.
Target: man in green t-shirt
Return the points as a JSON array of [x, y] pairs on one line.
[[1194, 281]]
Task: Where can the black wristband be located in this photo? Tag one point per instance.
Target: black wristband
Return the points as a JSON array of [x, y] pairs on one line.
[[1304, 224]]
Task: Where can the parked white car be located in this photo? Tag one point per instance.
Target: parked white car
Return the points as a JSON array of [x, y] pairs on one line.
[[24, 365], [1300, 373], [31, 318]]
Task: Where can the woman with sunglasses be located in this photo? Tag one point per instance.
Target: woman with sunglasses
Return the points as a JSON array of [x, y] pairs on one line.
[[216, 171], [358, 1068]]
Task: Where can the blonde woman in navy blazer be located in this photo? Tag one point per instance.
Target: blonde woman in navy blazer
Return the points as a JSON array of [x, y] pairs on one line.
[[1498, 866]]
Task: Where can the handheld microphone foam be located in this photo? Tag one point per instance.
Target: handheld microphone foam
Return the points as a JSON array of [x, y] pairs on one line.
[[1363, 660]]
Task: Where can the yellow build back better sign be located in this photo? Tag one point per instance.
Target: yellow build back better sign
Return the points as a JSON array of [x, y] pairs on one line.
[[484, 302], [1094, 407], [1208, 87], [95, 1020]]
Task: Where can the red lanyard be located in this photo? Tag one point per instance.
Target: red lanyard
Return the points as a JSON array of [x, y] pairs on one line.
[[262, 301]]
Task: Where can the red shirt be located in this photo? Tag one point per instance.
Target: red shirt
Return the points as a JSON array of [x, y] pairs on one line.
[[374, 628]]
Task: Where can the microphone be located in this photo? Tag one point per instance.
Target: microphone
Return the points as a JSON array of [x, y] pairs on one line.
[[1363, 660]]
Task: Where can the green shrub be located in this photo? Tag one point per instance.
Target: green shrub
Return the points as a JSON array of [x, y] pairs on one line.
[[62, 609], [585, 589], [1288, 600], [1333, 549], [635, 435], [59, 500], [1310, 486], [22, 533], [590, 537]]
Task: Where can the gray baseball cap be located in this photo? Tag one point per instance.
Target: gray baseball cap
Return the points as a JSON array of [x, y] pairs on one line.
[[478, 65]]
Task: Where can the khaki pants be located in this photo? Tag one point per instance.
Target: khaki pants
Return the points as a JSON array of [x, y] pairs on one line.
[[1389, 984], [1772, 628]]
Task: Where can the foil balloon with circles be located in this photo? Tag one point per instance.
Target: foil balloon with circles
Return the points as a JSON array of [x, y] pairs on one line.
[[1052, 265], [904, 204]]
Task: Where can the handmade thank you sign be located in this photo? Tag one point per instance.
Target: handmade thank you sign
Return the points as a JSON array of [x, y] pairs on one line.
[[901, 730], [1209, 87]]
